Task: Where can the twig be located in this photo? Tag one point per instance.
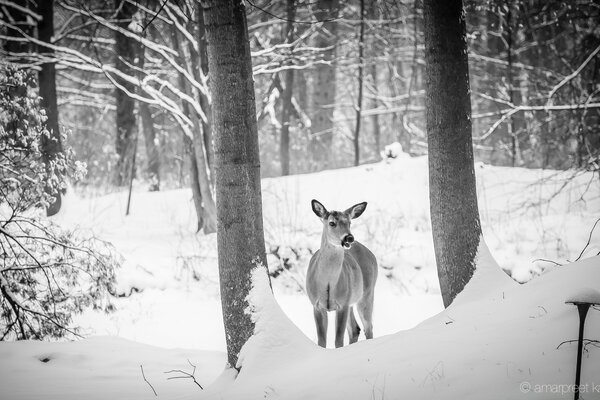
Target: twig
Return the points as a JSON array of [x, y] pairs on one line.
[[550, 261], [186, 375], [149, 384], [588, 241], [593, 342]]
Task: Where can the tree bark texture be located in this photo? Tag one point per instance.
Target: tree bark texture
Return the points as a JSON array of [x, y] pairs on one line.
[[240, 236], [452, 190], [127, 53], [286, 106], [52, 144], [323, 92]]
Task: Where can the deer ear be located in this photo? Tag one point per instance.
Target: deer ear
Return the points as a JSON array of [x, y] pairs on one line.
[[318, 209], [356, 210]]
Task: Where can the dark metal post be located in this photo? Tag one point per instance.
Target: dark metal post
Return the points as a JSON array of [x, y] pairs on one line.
[[583, 309]]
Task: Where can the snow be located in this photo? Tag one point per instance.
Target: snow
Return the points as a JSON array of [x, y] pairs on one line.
[[586, 295], [495, 336]]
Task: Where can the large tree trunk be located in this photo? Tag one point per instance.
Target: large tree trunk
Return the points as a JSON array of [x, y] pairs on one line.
[[51, 144], [127, 50], [240, 237], [286, 106], [323, 92], [452, 191]]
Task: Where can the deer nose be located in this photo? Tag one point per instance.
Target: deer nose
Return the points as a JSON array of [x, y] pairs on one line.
[[348, 239]]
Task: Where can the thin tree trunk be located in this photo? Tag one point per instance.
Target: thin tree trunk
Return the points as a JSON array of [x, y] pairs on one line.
[[152, 153], [127, 50], [286, 106], [359, 101], [150, 140], [452, 191], [201, 190], [240, 237], [509, 77], [375, 117], [204, 101], [373, 14], [51, 145], [323, 92]]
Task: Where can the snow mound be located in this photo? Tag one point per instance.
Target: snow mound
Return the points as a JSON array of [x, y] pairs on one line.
[[505, 345], [585, 295], [488, 280], [275, 336]]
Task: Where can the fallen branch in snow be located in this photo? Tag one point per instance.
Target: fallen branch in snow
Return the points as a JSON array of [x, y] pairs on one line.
[[149, 384], [185, 375], [546, 260]]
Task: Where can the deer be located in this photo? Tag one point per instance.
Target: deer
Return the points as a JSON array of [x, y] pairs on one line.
[[341, 276]]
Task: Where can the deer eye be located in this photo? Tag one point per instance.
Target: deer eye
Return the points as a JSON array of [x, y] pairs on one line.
[[331, 223]]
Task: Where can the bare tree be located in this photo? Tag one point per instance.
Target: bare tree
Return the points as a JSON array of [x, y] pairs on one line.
[[452, 191], [240, 236]]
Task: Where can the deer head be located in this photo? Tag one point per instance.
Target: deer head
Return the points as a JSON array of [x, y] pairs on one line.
[[336, 224]]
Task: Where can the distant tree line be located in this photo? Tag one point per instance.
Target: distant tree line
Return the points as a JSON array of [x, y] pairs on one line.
[[335, 82]]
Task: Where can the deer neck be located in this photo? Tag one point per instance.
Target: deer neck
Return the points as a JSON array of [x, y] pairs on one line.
[[331, 261]]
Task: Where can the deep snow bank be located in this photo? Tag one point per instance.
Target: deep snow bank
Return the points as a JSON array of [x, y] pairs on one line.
[[498, 340]]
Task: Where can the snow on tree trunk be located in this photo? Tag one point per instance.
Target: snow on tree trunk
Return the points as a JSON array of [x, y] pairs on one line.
[[127, 51], [51, 144], [453, 198], [323, 92], [240, 237]]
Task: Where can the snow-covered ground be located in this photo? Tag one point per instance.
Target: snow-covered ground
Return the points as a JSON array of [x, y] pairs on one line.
[[170, 294]]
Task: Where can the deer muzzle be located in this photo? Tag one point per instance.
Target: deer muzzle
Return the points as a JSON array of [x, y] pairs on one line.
[[347, 241]]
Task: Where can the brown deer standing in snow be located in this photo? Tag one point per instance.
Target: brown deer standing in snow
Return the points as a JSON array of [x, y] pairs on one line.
[[341, 274]]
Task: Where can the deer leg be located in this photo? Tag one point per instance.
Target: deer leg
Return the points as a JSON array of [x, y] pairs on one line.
[[321, 322], [365, 311], [353, 328], [340, 326]]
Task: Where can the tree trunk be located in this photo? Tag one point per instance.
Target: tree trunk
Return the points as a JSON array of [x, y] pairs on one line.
[[204, 101], [323, 93], [373, 14], [203, 200], [150, 140], [127, 50], [452, 191], [152, 153], [240, 237], [51, 144], [286, 106], [359, 101]]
